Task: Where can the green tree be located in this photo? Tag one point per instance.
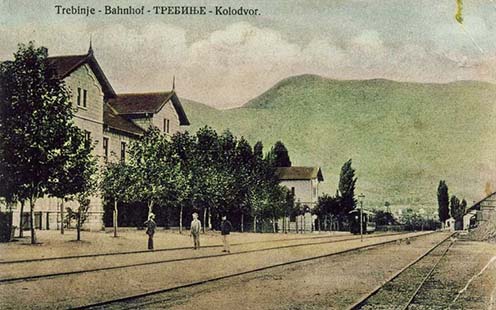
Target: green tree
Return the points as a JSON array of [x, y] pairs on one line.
[[347, 181], [327, 209], [116, 176], [457, 210], [264, 188], [206, 182], [77, 179], [152, 176], [281, 155], [183, 152], [243, 164], [258, 150], [443, 201], [34, 124], [384, 218], [10, 190]]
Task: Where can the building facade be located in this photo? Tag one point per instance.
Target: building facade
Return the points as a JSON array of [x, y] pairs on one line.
[[111, 120], [303, 182], [480, 212]]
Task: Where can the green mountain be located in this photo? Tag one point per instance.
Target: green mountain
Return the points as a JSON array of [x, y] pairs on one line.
[[403, 137]]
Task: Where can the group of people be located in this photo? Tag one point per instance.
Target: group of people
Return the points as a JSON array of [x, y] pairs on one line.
[[195, 229]]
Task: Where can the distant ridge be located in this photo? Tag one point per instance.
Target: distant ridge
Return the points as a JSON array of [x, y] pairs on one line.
[[264, 99], [403, 137]]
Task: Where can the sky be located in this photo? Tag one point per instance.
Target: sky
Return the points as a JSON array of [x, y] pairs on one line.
[[224, 61]]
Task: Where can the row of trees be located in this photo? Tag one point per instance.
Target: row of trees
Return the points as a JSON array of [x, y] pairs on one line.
[[206, 172], [450, 207], [333, 210], [42, 152]]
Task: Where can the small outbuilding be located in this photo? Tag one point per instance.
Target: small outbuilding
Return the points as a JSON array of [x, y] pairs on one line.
[[480, 211], [303, 182]]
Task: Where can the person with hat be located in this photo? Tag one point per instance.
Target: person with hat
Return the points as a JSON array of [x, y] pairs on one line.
[[225, 230], [195, 231], [150, 229]]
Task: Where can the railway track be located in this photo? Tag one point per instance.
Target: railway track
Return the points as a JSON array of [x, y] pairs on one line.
[[401, 290], [173, 260], [340, 239], [132, 302]]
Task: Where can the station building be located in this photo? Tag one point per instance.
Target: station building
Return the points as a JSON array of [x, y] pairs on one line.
[[111, 120], [480, 212], [303, 182]]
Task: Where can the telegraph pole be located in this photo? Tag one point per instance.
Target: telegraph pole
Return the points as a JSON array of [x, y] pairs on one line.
[[361, 196]]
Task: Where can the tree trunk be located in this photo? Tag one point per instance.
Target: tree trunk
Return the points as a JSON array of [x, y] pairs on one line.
[[209, 219], [255, 224], [274, 224], [115, 218], [204, 219], [181, 219], [21, 233], [62, 216], [31, 219], [296, 223], [79, 224], [150, 207], [242, 222]]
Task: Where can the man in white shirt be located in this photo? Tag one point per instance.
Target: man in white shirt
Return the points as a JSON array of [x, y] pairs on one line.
[[195, 230]]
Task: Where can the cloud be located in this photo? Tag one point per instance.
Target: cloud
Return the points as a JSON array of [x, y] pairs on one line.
[[231, 65]]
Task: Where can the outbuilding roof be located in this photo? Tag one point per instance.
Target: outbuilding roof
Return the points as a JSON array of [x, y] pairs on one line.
[[476, 206], [65, 65], [299, 173], [145, 103], [116, 122]]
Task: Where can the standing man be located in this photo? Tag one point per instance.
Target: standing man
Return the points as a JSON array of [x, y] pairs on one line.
[[225, 230], [150, 230], [195, 231]]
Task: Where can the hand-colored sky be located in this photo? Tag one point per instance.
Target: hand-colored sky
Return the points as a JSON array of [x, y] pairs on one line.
[[226, 60]]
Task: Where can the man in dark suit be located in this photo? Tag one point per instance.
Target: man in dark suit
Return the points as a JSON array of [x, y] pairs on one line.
[[150, 229], [225, 230]]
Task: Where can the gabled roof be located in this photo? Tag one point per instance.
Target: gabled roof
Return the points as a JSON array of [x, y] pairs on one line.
[[65, 65], [116, 122], [364, 211], [476, 206], [146, 103], [299, 173]]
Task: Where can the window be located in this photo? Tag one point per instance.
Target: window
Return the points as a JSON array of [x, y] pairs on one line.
[[79, 96], [105, 148], [166, 125], [85, 96], [123, 151], [87, 137]]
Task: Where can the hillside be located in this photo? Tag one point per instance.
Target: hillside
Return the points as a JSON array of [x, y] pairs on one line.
[[403, 137]]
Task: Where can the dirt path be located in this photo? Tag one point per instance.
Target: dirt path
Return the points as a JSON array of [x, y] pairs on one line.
[[54, 244], [81, 289], [477, 280], [327, 283]]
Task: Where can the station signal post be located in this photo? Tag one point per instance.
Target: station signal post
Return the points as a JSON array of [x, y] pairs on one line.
[[361, 197]]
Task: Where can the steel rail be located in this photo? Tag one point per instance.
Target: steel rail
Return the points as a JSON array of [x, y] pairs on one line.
[[363, 300], [419, 287], [19, 261], [172, 260], [101, 304]]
